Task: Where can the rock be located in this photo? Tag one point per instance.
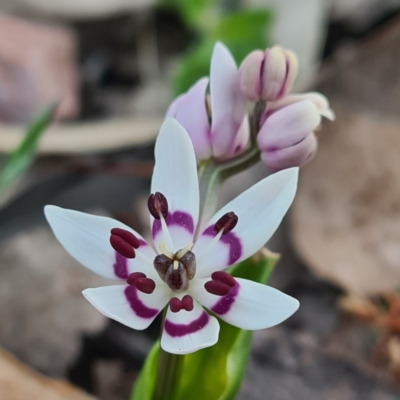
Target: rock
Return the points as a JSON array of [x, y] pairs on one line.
[[37, 67], [346, 216], [42, 310], [287, 365], [18, 382]]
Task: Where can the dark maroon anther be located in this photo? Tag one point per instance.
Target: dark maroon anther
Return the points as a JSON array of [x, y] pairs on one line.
[[223, 277], [157, 203], [187, 303], [226, 223], [218, 288], [145, 285], [122, 247], [127, 236], [175, 305], [134, 275]]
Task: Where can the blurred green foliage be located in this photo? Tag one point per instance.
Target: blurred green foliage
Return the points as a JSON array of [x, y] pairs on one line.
[[215, 372], [21, 158], [240, 30]]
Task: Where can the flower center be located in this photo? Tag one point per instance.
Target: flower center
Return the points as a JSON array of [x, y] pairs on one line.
[[176, 270]]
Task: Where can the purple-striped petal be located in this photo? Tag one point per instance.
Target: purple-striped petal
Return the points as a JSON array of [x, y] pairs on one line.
[[87, 238], [318, 99], [125, 304], [288, 126], [260, 210], [191, 112], [188, 331], [248, 305], [293, 156], [227, 104], [175, 176]]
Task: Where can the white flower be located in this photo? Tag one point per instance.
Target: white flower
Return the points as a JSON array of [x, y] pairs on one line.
[[184, 272]]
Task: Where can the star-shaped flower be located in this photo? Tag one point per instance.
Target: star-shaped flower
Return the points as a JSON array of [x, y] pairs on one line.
[[184, 270]]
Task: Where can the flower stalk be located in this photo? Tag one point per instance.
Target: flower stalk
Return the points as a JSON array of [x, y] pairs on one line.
[[168, 373]]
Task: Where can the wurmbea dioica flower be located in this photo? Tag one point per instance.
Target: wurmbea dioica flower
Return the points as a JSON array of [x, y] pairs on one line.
[[228, 132], [182, 271]]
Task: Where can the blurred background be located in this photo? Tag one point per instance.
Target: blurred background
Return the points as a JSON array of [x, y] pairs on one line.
[[114, 66]]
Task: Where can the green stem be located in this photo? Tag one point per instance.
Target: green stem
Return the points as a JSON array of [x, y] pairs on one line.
[[169, 371]]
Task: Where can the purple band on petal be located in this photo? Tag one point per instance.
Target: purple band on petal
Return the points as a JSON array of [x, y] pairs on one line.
[[120, 266], [137, 306], [230, 239], [178, 218], [225, 303], [179, 330], [142, 242]]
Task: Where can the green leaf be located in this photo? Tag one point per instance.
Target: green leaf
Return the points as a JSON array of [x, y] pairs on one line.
[[146, 381], [21, 158], [241, 32], [216, 372], [197, 13]]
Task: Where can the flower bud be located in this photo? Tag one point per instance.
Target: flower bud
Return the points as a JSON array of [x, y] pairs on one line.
[[286, 138], [267, 76]]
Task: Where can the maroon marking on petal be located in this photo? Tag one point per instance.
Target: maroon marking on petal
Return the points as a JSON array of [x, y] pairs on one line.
[[145, 285], [177, 218], [137, 306], [120, 266], [218, 288], [122, 247], [179, 330], [127, 236], [175, 305], [223, 305], [142, 242], [134, 275], [187, 303], [223, 277], [231, 240]]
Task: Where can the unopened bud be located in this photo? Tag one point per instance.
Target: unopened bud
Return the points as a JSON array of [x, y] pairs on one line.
[[286, 138], [267, 76]]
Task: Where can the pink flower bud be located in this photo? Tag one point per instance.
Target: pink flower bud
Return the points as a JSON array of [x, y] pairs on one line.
[[267, 76], [286, 138]]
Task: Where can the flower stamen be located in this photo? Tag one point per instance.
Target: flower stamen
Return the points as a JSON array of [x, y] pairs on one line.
[[226, 223], [177, 305], [124, 242], [158, 205], [221, 283], [141, 282]]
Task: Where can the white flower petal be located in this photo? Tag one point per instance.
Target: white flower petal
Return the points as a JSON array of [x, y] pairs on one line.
[[125, 304], [175, 176], [227, 104], [188, 331], [87, 238], [260, 210], [249, 305]]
